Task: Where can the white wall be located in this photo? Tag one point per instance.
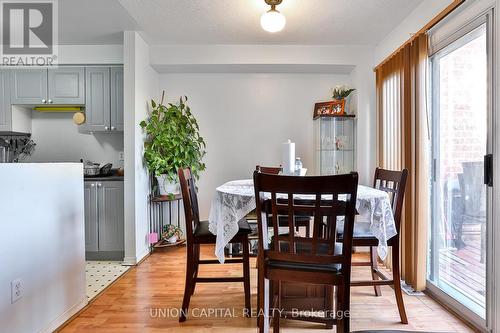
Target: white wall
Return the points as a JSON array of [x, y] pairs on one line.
[[263, 81], [245, 117], [59, 140], [415, 21], [141, 84], [90, 54], [42, 243]]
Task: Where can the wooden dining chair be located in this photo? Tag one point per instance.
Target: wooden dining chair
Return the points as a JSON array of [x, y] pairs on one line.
[[394, 183], [300, 221], [317, 259], [197, 233]]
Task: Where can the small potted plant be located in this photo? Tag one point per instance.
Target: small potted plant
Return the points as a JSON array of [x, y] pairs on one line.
[[172, 141], [341, 92], [171, 234], [340, 95]]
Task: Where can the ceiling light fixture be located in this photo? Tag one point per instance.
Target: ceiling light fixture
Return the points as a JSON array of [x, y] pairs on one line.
[[273, 20]]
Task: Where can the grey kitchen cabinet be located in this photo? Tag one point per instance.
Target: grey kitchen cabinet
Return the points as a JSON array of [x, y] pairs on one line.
[[116, 99], [103, 99], [66, 85], [97, 99], [5, 109], [104, 215], [29, 86], [91, 226], [111, 210], [62, 85]]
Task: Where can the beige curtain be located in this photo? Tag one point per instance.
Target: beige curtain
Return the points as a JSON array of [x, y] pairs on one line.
[[404, 142]]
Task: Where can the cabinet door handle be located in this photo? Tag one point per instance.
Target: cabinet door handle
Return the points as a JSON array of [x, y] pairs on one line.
[[50, 101], [113, 128], [92, 185], [106, 128], [99, 185], [44, 101]]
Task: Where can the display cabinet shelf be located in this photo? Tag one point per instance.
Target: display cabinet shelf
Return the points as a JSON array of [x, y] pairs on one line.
[[335, 144]]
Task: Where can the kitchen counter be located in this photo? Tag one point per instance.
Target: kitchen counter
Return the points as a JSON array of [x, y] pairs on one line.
[[103, 178]]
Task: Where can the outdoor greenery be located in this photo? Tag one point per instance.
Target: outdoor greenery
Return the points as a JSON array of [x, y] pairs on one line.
[[172, 140]]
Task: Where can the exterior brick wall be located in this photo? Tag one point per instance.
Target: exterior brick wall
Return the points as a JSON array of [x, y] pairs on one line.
[[463, 107]]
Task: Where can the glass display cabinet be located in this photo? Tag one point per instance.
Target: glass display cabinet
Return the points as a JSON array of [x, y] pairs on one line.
[[335, 144]]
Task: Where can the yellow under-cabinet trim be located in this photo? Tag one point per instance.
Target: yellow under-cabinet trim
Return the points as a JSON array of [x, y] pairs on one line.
[[58, 108]]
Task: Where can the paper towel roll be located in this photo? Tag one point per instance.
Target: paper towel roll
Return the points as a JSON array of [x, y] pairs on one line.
[[288, 158]]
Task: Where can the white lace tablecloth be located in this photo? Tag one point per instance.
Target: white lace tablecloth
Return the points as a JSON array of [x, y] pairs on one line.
[[236, 199]]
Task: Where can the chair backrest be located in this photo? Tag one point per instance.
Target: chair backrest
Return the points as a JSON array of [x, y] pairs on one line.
[[269, 170], [190, 201], [394, 183], [327, 199]]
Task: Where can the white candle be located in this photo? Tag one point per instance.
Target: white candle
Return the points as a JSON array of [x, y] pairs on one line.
[[288, 158]]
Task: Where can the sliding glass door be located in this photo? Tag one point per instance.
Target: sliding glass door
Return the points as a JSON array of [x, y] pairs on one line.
[[461, 143]]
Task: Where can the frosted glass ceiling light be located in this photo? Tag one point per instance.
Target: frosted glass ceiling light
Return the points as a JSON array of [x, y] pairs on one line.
[[273, 20]]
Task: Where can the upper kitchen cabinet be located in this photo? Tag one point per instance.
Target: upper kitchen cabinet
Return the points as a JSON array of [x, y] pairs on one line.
[[29, 86], [66, 85], [103, 99], [62, 85], [5, 109], [97, 99], [117, 98]]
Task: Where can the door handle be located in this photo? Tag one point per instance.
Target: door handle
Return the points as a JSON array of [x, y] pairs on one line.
[[488, 170]]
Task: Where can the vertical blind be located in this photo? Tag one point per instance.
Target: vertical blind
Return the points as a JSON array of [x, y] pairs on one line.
[[404, 142]]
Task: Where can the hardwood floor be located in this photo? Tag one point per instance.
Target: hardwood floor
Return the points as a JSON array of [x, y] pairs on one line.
[[147, 297]]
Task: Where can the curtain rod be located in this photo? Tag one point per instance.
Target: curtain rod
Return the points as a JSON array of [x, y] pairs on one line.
[[451, 7]]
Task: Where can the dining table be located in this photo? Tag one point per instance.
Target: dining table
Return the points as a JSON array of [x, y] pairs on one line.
[[235, 199]]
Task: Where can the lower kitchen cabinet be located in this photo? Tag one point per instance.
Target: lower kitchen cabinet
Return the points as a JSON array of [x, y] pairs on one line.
[[104, 230]]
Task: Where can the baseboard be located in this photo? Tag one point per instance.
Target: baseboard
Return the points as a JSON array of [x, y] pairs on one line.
[[56, 323], [104, 255], [132, 261], [142, 256]]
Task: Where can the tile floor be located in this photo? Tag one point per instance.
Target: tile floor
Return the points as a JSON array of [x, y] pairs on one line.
[[100, 274]]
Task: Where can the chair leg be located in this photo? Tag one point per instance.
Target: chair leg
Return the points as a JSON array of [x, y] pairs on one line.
[[397, 284], [246, 275], [276, 309], [329, 295], [346, 312], [339, 307], [189, 283], [262, 310], [374, 266], [196, 265]]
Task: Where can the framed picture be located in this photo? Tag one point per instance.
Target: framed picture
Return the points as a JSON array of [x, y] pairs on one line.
[[331, 108]]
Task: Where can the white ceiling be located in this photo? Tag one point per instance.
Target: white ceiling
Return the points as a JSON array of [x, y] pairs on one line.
[[313, 22], [87, 22]]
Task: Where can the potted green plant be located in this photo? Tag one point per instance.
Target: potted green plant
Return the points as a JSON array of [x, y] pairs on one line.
[[172, 141], [341, 92]]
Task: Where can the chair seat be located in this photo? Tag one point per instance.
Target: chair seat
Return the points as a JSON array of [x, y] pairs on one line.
[[202, 229], [304, 248]]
